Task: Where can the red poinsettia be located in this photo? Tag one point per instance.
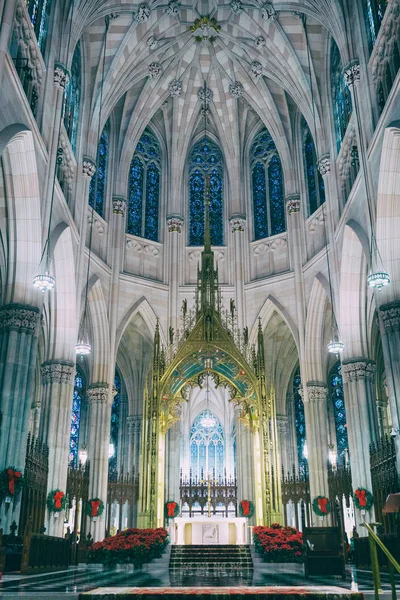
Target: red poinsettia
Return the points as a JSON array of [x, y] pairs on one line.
[[279, 544], [135, 546]]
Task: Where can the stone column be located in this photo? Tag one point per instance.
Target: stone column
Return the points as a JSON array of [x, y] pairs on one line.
[[58, 387], [361, 417], [291, 440], [282, 427], [175, 224], [172, 464], [316, 415], [331, 209], [98, 443], [244, 461], [122, 454], [19, 325], [88, 170], [237, 223]]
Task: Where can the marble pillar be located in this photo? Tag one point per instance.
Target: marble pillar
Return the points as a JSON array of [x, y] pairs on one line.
[[244, 462], [237, 224], [175, 225], [283, 442]]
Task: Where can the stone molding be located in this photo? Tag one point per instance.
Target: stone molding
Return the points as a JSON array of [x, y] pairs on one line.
[[19, 317], [173, 8], [143, 13], [134, 423], [390, 314], [57, 372], [236, 6], [293, 203], [60, 76], [175, 223], [316, 392], [237, 222], [119, 205], [256, 69], [97, 393], [208, 96], [260, 42], [236, 89], [358, 369], [152, 42], [268, 12], [351, 72], [88, 167], [155, 70], [324, 164], [281, 423], [175, 88]]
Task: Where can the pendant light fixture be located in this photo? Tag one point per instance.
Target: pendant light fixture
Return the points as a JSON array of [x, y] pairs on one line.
[[83, 347], [335, 346]]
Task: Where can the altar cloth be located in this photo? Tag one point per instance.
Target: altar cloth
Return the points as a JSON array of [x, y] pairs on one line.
[[209, 531]]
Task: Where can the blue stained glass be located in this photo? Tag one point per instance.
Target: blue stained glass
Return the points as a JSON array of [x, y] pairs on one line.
[[341, 99], [315, 183], [259, 201], [205, 159], [276, 200], [374, 11], [300, 422], [207, 449], [101, 173], [39, 13], [144, 188], [115, 412], [73, 98], [77, 399], [339, 410]]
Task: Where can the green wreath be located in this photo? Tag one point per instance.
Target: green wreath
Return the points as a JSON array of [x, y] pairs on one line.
[[363, 499], [321, 506], [246, 508], [94, 507], [11, 482], [56, 500], [171, 509]]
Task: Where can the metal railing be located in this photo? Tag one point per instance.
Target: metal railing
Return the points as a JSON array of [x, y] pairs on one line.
[[374, 541]]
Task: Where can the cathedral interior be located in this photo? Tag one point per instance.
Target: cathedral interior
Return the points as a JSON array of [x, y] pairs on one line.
[[200, 280]]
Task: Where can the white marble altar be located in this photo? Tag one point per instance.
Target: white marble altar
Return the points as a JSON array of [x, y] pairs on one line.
[[209, 530]]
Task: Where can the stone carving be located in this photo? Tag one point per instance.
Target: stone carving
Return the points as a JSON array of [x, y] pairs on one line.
[[57, 372], [119, 205], [27, 50], [134, 423], [351, 73], [324, 164], [347, 155], [390, 314], [175, 223], [152, 43], [143, 13], [260, 42], [205, 29], [268, 12], [293, 203], [173, 8], [164, 105], [97, 394], [316, 393], [95, 221], [88, 167], [194, 255], [316, 221], [360, 369], [237, 222], [236, 89], [175, 87], [236, 6], [207, 96], [155, 70], [146, 248], [66, 165], [60, 76], [18, 316], [274, 245], [281, 423], [256, 69]]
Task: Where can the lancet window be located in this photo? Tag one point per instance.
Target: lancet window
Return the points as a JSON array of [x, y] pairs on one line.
[[115, 423], [39, 12], [267, 187], [205, 159], [300, 422], [339, 411], [73, 98], [207, 447], [314, 181], [144, 188], [341, 99], [98, 202], [77, 399], [374, 11]]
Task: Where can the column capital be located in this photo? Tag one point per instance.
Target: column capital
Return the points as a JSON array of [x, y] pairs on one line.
[[60, 76], [237, 222], [316, 392], [175, 223], [324, 164], [19, 317], [355, 369], [390, 314], [351, 72], [293, 203], [57, 371], [97, 393], [88, 167], [120, 205]]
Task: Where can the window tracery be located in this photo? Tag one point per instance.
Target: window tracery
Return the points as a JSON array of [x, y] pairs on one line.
[[101, 173], [77, 399], [39, 12], [207, 447], [73, 98], [267, 183], [314, 180], [144, 188], [205, 159], [374, 11], [339, 411], [341, 99]]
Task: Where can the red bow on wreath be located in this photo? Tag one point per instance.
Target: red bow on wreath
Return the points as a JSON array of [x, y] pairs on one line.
[[58, 496], [171, 506], [246, 507], [12, 476], [95, 505], [362, 497], [322, 503]]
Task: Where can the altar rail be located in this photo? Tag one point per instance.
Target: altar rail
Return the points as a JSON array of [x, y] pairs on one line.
[[196, 493]]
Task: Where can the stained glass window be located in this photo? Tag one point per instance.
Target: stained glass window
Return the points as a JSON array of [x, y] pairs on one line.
[[374, 11], [339, 411], [205, 159], [207, 449], [77, 399], [300, 422], [39, 12], [144, 188], [114, 428], [267, 187], [101, 173], [314, 181], [341, 99], [73, 98]]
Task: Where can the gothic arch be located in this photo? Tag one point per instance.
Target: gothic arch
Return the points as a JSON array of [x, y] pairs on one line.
[[267, 310], [143, 307], [315, 355], [100, 357]]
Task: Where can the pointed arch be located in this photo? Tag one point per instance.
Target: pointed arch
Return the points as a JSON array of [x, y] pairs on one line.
[[315, 355], [100, 339], [270, 305], [143, 307]]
